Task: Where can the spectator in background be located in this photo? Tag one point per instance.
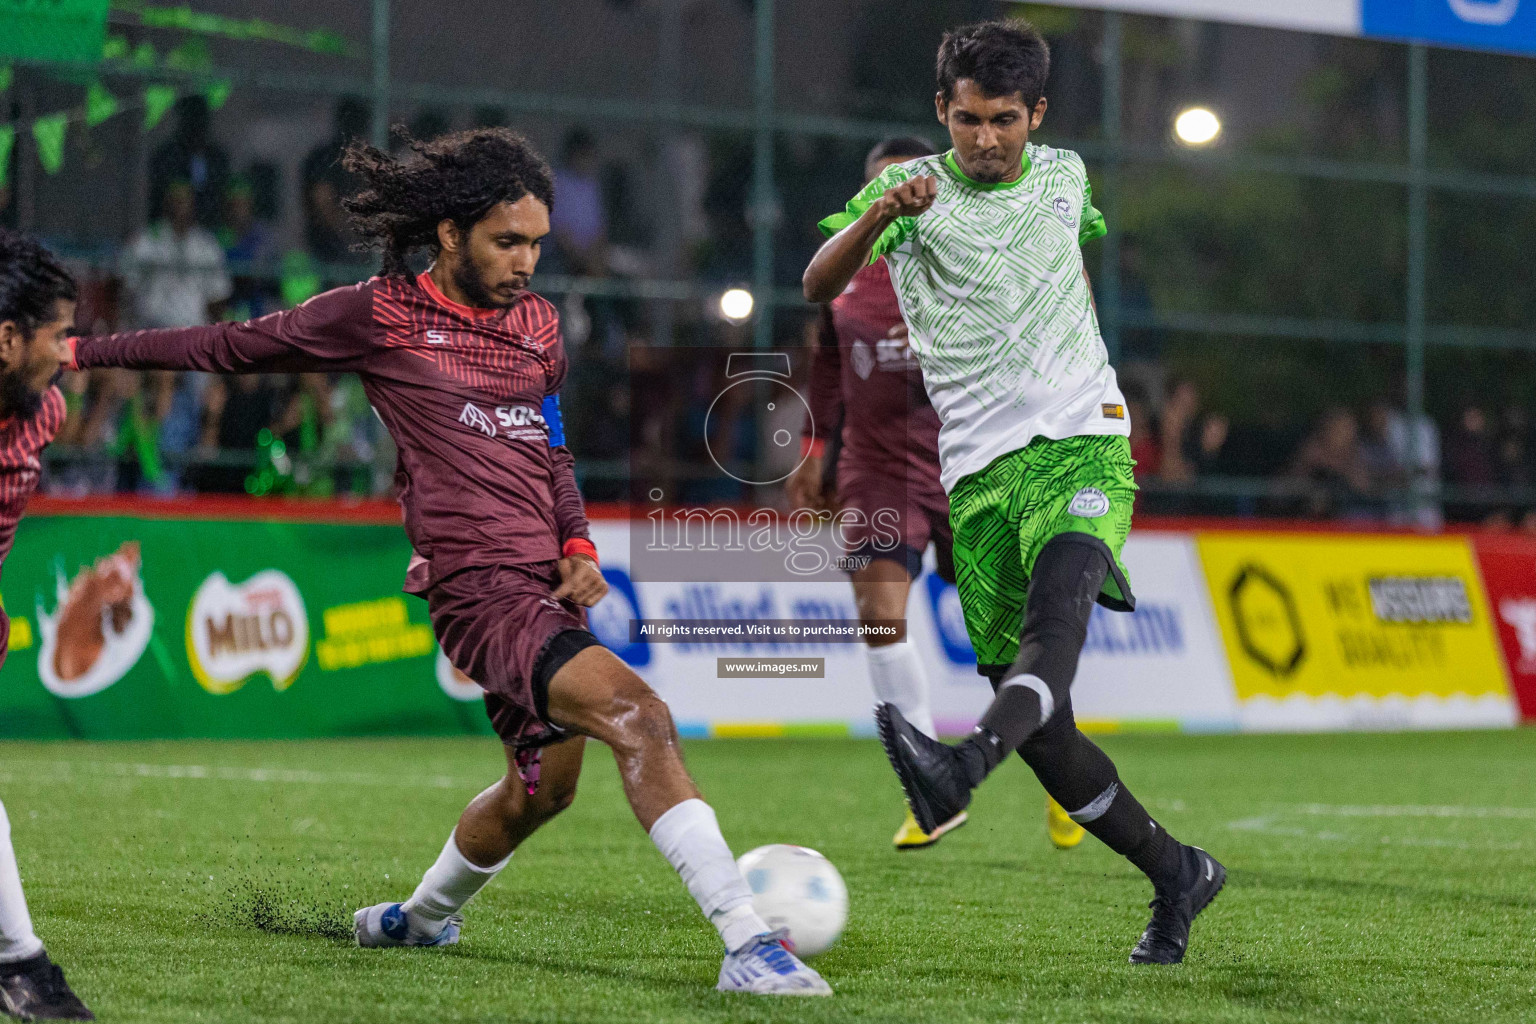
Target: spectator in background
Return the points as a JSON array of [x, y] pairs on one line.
[[236, 410], [174, 269], [1190, 441], [579, 223], [1145, 448], [1406, 476], [1471, 461], [251, 246], [327, 231], [175, 276], [190, 157], [1332, 466]]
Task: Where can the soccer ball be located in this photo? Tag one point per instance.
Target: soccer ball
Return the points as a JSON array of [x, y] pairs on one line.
[[795, 887]]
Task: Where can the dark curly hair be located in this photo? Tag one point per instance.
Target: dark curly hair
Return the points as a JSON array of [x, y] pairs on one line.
[[459, 177], [1002, 57], [32, 280]]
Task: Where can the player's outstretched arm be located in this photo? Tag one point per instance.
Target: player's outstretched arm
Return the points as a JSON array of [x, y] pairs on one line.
[[328, 333], [842, 255]]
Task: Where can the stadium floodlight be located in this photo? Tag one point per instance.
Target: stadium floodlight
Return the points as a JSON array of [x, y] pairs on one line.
[[736, 304], [1196, 126]]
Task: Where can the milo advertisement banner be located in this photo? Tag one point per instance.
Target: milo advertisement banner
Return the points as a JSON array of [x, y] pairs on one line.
[[134, 628]]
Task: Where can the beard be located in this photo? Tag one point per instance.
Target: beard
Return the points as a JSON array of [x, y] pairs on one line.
[[17, 398], [471, 281]]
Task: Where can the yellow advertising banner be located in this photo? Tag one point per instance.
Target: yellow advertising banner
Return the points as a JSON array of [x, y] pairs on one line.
[[1355, 621]]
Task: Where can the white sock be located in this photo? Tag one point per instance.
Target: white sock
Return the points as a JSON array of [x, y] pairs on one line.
[[896, 673], [689, 837], [445, 888], [17, 942]]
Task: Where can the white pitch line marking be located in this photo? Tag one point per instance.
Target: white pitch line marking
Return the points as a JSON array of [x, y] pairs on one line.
[[60, 771], [1415, 811]]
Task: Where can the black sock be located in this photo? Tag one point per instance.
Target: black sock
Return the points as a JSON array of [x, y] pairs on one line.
[[26, 966], [1012, 717], [1083, 779], [1127, 829]]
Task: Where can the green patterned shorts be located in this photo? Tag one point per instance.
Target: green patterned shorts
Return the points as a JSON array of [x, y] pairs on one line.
[[1004, 515]]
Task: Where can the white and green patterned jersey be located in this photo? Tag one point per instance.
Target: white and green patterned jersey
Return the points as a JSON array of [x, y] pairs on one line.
[[991, 285]]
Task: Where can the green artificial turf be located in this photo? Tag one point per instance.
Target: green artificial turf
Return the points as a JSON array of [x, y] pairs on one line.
[[1386, 878]]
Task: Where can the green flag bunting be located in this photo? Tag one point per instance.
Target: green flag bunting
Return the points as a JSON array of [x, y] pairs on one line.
[[7, 140], [217, 94], [48, 132], [157, 100], [99, 104]]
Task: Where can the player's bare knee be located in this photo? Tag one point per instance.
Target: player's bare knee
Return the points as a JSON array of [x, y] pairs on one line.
[[554, 797], [640, 719]]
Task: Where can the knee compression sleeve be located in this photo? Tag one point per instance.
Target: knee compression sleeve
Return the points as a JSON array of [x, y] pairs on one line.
[[1063, 587], [1066, 581]]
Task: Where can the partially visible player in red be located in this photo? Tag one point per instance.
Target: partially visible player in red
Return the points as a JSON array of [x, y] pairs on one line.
[[464, 366], [871, 448], [37, 310]]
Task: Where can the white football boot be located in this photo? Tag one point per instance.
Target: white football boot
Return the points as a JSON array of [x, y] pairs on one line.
[[766, 967], [385, 924]]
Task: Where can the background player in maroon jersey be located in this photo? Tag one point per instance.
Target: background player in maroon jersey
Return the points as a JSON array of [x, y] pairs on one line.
[[464, 365], [37, 309], [873, 428]]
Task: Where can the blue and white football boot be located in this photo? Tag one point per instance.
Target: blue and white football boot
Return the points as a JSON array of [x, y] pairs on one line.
[[766, 967], [385, 924]]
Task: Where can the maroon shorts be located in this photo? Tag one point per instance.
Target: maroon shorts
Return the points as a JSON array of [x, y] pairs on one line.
[[897, 517], [499, 626]]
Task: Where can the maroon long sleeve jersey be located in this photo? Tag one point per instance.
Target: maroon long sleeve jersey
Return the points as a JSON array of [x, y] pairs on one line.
[[871, 382], [22, 441], [471, 397]]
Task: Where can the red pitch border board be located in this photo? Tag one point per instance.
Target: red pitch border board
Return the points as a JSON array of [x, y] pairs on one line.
[[1508, 566]]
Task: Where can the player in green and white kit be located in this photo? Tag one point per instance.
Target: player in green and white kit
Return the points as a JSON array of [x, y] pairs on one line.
[[983, 245]]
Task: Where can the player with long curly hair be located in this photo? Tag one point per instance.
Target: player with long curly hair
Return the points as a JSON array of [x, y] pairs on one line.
[[464, 365]]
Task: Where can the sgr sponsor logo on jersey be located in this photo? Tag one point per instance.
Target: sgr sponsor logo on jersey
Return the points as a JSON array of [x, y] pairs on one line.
[[237, 630], [475, 417], [517, 422]]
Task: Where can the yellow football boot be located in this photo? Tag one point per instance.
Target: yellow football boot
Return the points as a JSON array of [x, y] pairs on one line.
[[1064, 832], [911, 836]]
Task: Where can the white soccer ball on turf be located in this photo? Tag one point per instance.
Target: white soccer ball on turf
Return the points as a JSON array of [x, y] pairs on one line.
[[795, 887]]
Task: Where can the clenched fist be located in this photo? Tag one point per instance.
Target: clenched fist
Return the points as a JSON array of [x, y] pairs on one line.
[[581, 581], [911, 198]]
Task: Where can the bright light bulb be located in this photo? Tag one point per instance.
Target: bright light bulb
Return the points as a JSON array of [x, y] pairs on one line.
[[1197, 126], [736, 304]]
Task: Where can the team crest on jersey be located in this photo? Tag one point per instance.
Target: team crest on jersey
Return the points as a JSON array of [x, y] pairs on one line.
[[1063, 207], [474, 416], [1089, 503], [863, 360]]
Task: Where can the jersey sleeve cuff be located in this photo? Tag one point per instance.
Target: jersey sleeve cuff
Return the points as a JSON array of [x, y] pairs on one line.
[[816, 446], [73, 363], [579, 546]]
